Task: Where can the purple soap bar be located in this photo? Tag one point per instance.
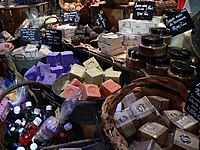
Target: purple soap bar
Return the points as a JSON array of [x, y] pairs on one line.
[[67, 68], [3, 105], [31, 74], [66, 58], [49, 78], [42, 69], [53, 58], [39, 78], [40, 63], [58, 70]]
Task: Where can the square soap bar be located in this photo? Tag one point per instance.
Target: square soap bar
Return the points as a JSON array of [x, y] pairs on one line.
[[91, 63], [110, 38], [113, 52], [183, 140], [128, 100], [109, 47], [49, 78], [58, 70], [147, 145], [114, 75], [77, 71], [39, 78], [170, 115], [66, 58], [109, 87], [70, 91], [42, 69], [126, 122], [94, 76], [53, 58], [77, 83], [143, 110], [90, 92], [153, 130], [31, 74]]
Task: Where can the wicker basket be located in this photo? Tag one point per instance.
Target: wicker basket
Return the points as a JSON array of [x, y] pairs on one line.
[[147, 86]]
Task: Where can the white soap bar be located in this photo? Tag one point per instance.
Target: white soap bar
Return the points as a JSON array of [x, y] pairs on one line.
[[109, 47], [110, 38], [114, 52], [45, 51], [31, 52]]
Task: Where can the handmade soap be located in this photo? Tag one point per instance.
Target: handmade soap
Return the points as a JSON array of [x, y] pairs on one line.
[[126, 122], [109, 47], [169, 115], [143, 110], [94, 76], [31, 74], [42, 69], [90, 92], [53, 58], [3, 105], [91, 63], [70, 91], [128, 100], [49, 78], [114, 75], [39, 78], [153, 130], [31, 52], [110, 38], [113, 52], [147, 145], [66, 58], [183, 140], [160, 103], [77, 83], [109, 87], [58, 70], [77, 71]]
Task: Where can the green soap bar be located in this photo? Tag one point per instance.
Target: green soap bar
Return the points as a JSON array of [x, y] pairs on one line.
[[94, 76], [114, 75], [91, 63], [77, 71]]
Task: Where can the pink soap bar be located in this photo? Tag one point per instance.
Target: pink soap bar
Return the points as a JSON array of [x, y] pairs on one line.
[[3, 107], [109, 87], [70, 91], [90, 92], [77, 83]]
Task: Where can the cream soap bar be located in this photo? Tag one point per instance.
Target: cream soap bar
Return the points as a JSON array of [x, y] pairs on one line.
[[94, 76], [109, 47], [77, 71], [110, 38], [114, 75], [91, 63], [113, 52]]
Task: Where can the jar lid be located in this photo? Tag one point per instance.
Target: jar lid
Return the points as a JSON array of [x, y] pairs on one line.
[[181, 68], [21, 148], [33, 146], [36, 111], [17, 109], [48, 107], [28, 104], [171, 11], [37, 121], [162, 31], [134, 52], [18, 121], [150, 39], [68, 126], [160, 61], [178, 53]]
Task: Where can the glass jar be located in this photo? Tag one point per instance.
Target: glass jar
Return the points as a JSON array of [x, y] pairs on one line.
[[152, 46], [134, 59], [158, 66], [183, 72], [179, 54], [163, 32]]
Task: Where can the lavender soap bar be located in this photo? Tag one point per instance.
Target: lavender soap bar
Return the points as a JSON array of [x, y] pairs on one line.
[[49, 78], [42, 69], [66, 58], [53, 58], [31, 74], [58, 70]]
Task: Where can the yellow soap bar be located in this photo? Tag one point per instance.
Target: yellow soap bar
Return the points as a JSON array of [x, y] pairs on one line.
[[114, 75], [91, 63], [94, 76], [77, 71]]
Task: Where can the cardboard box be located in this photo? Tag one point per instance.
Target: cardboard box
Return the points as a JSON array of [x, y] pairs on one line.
[[147, 145]]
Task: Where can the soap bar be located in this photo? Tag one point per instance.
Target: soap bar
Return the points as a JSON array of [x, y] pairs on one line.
[[91, 63], [125, 123], [110, 38], [58, 70], [77, 83], [143, 110], [31, 74], [153, 130], [114, 75], [160, 103], [169, 115], [183, 140], [147, 145], [109, 47], [94, 76], [66, 58], [113, 52], [109, 87], [49, 78], [90, 92], [45, 51], [77, 71], [42, 69], [3, 105], [53, 58], [70, 91], [66, 68], [39, 78], [128, 100], [31, 52]]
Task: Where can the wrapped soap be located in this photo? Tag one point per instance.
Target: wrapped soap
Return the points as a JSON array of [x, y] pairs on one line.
[[169, 115], [128, 100], [143, 110], [160, 103], [126, 123], [110, 38], [109, 47], [113, 52], [53, 58], [183, 140], [94, 76], [147, 145], [114, 75], [153, 130], [66, 58], [77, 71]]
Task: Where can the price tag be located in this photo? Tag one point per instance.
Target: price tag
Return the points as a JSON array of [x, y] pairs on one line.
[[30, 34], [193, 103], [179, 23], [143, 10], [72, 17]]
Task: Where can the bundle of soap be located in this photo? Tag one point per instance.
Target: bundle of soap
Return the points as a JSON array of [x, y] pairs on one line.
[[57, 63], [91, 81], [111, 44], [67, 30]]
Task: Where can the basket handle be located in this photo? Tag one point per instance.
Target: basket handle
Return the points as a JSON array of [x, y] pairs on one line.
[[20, 55], [7, 91], [57, 20]]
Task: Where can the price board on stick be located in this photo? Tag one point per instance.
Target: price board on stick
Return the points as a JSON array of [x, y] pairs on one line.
[[31, 35]]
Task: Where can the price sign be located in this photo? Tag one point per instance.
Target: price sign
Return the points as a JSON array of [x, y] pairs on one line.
[[193, 103], [179, 23], [72, 17], [101, 20], [30, 34], [143, 10]]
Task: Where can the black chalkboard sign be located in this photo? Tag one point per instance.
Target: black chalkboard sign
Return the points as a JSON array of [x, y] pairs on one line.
[[30, 34], [179, 23], [143, 10], [193, 103], [72, 17], [101, 20]]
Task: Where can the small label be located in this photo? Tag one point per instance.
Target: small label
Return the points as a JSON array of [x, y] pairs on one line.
[[141, 108], [123, 118], [173, 115], [57, 113], [30, 34], [185, 139], [101, 20]]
